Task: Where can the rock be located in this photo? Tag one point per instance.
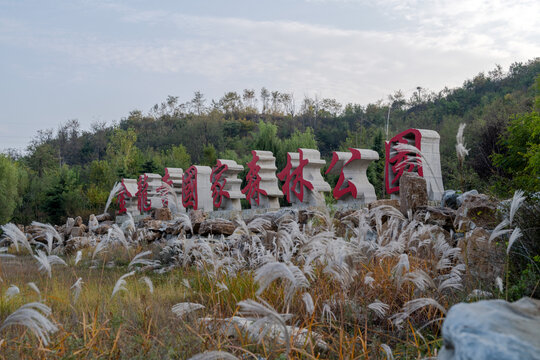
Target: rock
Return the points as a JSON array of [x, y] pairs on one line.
[[76, 243], [462, 197], [93, 223], [78, 221], [104, 217], [102, 229], [154, 225], [449, 199], [162, 214], [484, 260], [340, 226], [492, 330], [70, 223], [76, 231], [197, 217], [443, 217], [217, 227], [412, 192], [149, 235], [389, 202], [479, 209]]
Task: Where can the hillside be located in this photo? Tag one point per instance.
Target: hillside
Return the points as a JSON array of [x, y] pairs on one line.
[[69, 172]]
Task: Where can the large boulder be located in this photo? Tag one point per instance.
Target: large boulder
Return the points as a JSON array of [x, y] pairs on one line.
[[162, 214], [484, 259], [104, 217], [412, 192], [443, 217], [197, 217], [476, 210], [381, 202], [216, 227], [492, 330]]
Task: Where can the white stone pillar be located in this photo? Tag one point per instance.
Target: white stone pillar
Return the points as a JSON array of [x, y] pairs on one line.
[[303, 181], [353, 186], [226, 191], [397, 162], [261, 190], [196, 188]]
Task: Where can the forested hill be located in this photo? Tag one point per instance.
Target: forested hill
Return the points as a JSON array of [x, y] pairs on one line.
[[70, 172]]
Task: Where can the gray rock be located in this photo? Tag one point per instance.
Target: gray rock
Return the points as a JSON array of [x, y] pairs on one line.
[[461, 198], [412, 192], [449, 199], [492, 330]]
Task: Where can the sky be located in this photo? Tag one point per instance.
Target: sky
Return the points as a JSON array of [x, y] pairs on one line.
[[96, 61]]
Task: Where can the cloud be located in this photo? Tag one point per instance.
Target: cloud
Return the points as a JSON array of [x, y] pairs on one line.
[[437, 43]]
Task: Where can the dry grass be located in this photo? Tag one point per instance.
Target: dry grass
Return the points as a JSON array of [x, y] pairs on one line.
[[392, 290]]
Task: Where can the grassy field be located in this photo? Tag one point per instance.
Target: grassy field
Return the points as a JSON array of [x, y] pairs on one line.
[[380, 292]]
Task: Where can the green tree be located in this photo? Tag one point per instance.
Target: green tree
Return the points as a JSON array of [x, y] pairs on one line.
[[521, 157], [63, 195], [9, 190], [122, 151], [209, 156]]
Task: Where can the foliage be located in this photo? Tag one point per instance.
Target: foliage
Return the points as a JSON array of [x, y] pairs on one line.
[[521, 158], [9, 188], [176, 134]]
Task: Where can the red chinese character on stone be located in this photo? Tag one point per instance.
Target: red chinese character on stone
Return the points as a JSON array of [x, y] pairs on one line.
[[399, 161], [253, 179], [163, 190], [218, 183], [121, 199], [143, 204], [189, 188], [293, 177], [350, 188]]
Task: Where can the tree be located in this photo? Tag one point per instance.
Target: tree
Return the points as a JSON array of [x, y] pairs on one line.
[[209, 156], [9, 191], [521, 156], [123, 152], [197, 103]]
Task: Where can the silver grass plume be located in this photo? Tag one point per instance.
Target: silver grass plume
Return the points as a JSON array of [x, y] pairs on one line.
[[517, 201], [308, 302], [368, 280], [499, 283], [34, 317], [77, 288], [12, 232], [116, 188], [12, 291], [479, 294], [128, 226], [499, 230], [269, 272], [516, 234], [388, 351], [140, 260], [78, 257], [46, 261], [148, 282], [379, 308], [412, 306], [49, 232], [184, 308], [5, 256], [34, 287], [461, 150], [214, 355], [121, 283], [269, 315]]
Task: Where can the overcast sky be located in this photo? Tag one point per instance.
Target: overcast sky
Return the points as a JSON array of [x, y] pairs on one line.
[[98, 60]]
